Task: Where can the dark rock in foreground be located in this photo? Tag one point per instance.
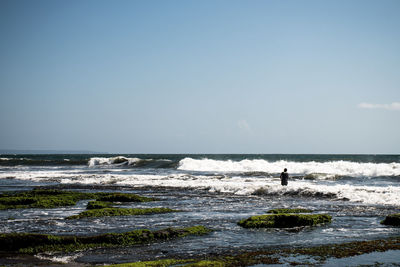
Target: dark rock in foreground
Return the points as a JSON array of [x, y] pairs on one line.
[[393, 219]]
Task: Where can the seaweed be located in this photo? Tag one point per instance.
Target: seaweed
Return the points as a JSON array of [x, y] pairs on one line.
[[30, 243], [393, 219], [272, 256], [156, 263], [52, 198], [280, 211], [208, 263], [215, 262], [98, 205], [350, 249], [102, 212], [121, 197], [284, 220]]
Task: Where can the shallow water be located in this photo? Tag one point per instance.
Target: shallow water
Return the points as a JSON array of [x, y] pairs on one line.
[[220, 212], [215, 199]]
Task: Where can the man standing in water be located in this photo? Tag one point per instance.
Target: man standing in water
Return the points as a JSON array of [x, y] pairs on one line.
[[284, 177]]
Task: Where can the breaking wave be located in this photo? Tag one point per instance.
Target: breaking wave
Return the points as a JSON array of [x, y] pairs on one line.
[[238, 185], [312, 170], [329, 168]]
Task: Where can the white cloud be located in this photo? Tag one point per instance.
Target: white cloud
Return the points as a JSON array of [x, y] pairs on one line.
[[392, 106]]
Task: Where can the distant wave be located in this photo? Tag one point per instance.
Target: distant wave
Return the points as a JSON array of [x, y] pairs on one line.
[[133, 162], [92, 162], [328, 169], [40, 162]]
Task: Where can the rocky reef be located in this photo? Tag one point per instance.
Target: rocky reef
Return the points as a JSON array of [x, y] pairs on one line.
[[285, 211], [31, 243], [52, 198], [284, 220], [102, 212], [286, 256]]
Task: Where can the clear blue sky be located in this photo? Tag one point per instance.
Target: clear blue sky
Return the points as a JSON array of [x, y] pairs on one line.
[[200, 76]]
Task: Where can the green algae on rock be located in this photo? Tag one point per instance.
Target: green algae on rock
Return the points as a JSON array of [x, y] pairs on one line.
[[284, 220], [157, 263], [92, 205], [41, 199], [393, 219], [123, 197], [173, 262], [217, 262], [274, 256], [321, 253], [34, 243], [350, 249], [280, 211], [245, 259], [208, 263], [104, 212], [52, 198]]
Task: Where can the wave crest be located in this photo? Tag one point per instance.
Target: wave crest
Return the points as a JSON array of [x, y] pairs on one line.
[[330, 168]]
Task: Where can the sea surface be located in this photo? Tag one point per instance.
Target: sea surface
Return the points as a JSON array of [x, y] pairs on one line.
[[216, 191]]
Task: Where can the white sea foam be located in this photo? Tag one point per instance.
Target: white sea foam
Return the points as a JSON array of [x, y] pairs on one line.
[[389, 195], [300, 168], [58, 258], [386, 193]]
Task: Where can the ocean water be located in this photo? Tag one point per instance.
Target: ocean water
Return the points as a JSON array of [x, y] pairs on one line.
[[213, 190]]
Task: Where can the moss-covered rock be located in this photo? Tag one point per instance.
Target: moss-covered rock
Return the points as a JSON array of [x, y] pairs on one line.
[[92, 205], [393, 219], [51, 198], [174, 262], [103, 212], [122, 197], [34, 243], [280, 211], [178, 262], [284, 220], [41, 199], [157, 263], [272, 256], [208, 263], [349, 249]]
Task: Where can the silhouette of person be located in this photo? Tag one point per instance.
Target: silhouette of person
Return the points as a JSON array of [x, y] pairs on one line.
[[284, 177]]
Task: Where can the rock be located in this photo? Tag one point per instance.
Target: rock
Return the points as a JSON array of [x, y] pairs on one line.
[[284, 220], [31, 243], [393, 219], [280, 211]]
